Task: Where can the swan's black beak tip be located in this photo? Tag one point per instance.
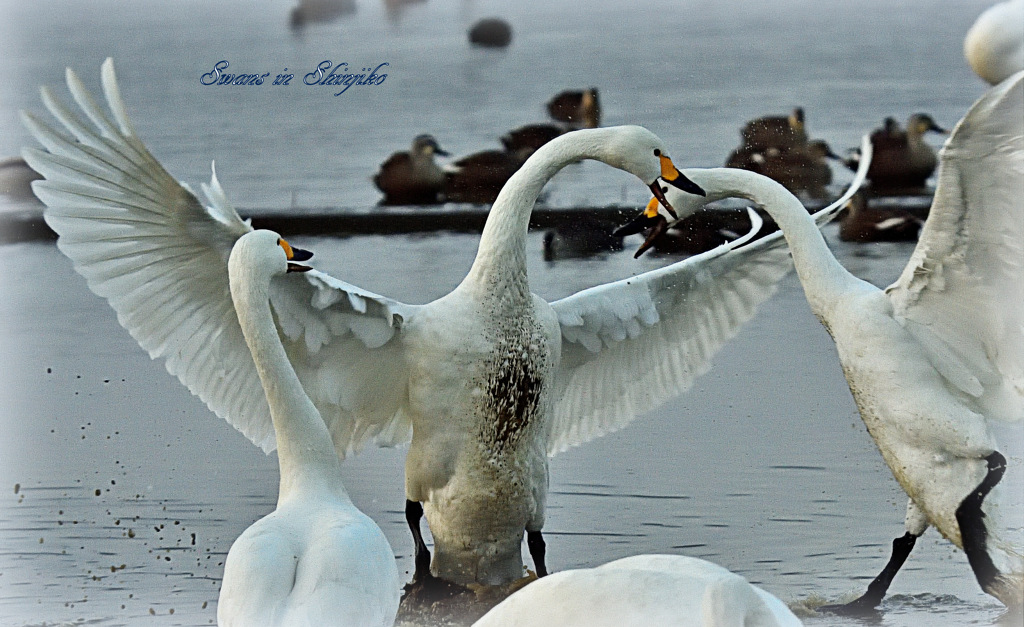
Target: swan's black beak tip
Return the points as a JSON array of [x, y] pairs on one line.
[[296, 267], [659, 193], [299, 254], [658, 226], [685, 184], [636, 225]]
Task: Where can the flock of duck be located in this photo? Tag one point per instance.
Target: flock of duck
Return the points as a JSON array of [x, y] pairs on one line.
[[415, 178], [489, 381], [775, 146]]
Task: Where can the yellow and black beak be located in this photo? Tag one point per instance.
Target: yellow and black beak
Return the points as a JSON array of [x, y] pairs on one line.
[[674, 177], [671, 174], [649, 220], [660, 197], [295, 254]]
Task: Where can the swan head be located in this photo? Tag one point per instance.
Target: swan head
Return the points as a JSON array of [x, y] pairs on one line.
[[642, 153], [266, 253]]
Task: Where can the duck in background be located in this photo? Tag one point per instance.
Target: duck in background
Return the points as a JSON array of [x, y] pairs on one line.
[[491, 32], [530, 137], [576, 109], [861, 222], [903, 160], [318, 12], [994, 45], [802, 169], [478, 177], [413, 177], [775, 131], [778, 147]]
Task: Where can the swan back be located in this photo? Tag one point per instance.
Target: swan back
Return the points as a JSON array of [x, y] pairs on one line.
[[640, 591], [316, 560]]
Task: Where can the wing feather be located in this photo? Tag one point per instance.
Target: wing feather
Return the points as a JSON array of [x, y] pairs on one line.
[[145, 243], [630, 346], [961, 293]]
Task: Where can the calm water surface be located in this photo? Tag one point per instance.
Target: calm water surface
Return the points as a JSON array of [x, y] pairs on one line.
[[120, 493]]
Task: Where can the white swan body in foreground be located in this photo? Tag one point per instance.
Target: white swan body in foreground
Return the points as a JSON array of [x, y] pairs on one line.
[[488, 380], [642, 591], [317, 559], [939, 353], [994, 45]]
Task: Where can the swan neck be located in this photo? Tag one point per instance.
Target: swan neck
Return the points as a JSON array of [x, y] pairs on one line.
[[501, 257], [305, 453], [822, 276]]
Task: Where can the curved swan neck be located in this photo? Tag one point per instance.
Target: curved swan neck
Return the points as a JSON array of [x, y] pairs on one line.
[[821, 274], [305, 453], [501, 257]]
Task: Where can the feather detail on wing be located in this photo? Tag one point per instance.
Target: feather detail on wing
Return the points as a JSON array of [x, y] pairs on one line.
[[146, 244], [630, 346], [344, 343], [961, 294]]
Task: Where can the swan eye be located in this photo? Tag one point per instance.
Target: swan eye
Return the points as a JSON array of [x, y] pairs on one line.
[[657, 153]]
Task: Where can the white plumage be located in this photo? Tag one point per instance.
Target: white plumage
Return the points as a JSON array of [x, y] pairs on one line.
[[939, 353], [994, 45], [488, 380], [316, 560], [642, 591]]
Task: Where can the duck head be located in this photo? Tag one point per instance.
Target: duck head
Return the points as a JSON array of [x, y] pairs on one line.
[[426, 145], [921, 123]]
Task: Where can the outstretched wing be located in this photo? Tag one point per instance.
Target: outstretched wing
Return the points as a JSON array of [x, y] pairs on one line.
[[146, 244], [629, 346], [961, 294], [345, 345]]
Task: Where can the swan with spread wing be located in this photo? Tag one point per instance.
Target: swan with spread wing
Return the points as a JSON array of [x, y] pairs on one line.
[[939, 354], [486, 382]]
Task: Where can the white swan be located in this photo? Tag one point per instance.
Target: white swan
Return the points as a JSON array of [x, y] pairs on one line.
[[642, 591], [935, 356], [488, 380], [994, 45], [317, 559]]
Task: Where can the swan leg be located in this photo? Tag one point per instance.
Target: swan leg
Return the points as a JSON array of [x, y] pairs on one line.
[[413, 514], [535, 542], [972, 525], [916, 523]]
